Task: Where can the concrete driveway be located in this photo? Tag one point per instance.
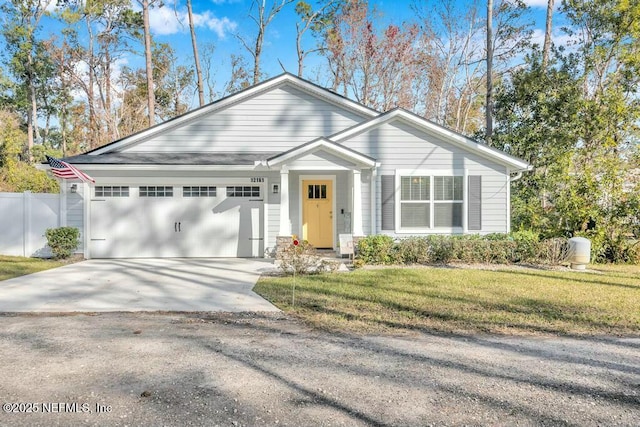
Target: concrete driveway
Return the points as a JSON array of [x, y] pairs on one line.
[[195, 284]]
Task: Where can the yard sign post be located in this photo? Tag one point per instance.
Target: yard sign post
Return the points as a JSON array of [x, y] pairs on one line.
[[295, 252]]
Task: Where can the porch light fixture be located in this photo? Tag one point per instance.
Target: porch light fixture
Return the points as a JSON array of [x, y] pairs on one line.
[[275, 189], [74, 188]]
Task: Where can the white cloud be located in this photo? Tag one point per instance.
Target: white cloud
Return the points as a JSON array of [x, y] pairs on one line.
[[541, 4], [50, 6], [220, 26], [559, 38], [536, 3], [167, 20]]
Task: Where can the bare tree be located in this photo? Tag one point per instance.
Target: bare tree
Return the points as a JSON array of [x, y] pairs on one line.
[[489, 103], [196, 58], [262, 18], [314, 20], [146, 4], [451, 54], [547, 35], [239, 79], [208, 74]]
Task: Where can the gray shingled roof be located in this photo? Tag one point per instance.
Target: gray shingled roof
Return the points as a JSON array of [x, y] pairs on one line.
[[170, 158]]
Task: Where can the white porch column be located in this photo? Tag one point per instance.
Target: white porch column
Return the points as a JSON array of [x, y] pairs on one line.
[[356, 211], [285, 222]]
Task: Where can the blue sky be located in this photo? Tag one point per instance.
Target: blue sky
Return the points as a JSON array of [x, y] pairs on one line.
[[217, 22]]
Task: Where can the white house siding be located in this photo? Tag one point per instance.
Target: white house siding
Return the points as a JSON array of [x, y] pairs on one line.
[[397, 145], [75, 210], [277, 120], [319, 159]]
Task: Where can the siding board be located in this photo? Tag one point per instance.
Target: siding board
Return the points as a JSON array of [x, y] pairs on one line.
[[277, 120], [396, 145]]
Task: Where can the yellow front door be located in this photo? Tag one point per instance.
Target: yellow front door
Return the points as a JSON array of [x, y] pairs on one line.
[[317, 213]]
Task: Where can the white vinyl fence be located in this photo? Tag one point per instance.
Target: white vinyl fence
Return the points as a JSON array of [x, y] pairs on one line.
[[24, 218]]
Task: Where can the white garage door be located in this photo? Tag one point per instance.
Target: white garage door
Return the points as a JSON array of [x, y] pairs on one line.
[[177, 221]]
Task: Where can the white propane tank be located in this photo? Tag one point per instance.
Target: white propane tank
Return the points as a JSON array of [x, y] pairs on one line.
[[579, 252]]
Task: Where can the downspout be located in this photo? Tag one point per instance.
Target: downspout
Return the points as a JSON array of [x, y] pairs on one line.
[[517, 177]]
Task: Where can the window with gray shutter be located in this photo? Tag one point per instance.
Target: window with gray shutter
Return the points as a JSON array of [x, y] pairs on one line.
[[447, 210], [387, 190], [475, 202]]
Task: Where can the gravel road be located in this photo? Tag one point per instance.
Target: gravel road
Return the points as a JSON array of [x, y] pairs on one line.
[[171, 369]]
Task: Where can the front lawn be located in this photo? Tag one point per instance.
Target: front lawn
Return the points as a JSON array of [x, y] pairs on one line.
[[13, 266], [465, 300]]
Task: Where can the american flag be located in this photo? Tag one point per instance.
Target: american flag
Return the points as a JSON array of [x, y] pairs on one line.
[[65, 171]]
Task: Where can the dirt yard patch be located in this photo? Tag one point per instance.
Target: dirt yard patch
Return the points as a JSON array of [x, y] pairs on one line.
[[242, 369]]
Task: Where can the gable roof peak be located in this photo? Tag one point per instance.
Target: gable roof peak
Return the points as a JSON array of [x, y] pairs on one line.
[[237, 97]]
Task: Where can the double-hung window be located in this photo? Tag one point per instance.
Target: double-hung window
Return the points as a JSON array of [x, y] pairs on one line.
[[415, 202], [447, 205], [430, 202]]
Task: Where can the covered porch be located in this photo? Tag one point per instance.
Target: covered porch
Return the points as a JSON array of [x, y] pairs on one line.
[[325, 190]]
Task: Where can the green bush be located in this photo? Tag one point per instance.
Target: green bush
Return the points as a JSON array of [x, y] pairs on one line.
[[527, 245], [414, 250], [442, 249], [63, 241], [377, 249], [497, 248]]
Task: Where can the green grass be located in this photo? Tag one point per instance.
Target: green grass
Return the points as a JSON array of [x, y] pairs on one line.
[[13, 266], [460, 300]]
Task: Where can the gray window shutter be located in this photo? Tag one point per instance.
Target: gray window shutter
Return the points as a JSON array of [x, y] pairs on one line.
[[388, 187], [475, 202]]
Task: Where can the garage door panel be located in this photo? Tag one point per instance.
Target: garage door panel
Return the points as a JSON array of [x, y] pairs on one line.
[[176, 226]]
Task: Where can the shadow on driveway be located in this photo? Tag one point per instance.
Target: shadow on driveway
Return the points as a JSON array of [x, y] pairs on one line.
[[175, 284]]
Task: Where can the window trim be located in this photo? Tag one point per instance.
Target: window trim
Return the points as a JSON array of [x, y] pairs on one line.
[[155, 191], [121, 190], [231, 191], [203, 191], [431, 173]]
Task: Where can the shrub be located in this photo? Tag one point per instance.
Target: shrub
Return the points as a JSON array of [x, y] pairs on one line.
[[63, 241], [502, 251], [301, 259], [527, 245], [470, 249], [498, 248], [377, 249], [442, 249], [553, 251], [414, 250]]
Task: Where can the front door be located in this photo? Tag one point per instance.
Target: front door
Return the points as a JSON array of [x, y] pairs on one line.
[[317, 213]]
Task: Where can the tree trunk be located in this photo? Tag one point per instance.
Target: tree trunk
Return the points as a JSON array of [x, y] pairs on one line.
[[299, 51], [90, 95], [149, 64], [30, 126], [489, 106], [547, 35], [107, 89], [196, 58], [256, 56]]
